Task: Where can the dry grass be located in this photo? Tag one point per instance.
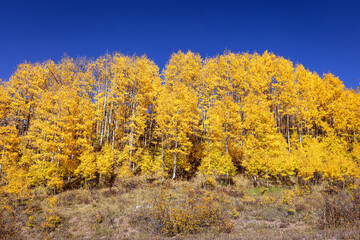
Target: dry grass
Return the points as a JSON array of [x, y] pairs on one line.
[[135, 208], [341, 209], [186, 211]]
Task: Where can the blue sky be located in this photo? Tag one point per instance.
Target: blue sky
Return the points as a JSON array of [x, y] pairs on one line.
[[324, 36]]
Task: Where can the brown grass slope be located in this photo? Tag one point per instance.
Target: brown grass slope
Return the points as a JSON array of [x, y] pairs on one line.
[[136, 208]]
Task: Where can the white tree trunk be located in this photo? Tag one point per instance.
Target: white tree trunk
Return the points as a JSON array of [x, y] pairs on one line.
[[175, 153]]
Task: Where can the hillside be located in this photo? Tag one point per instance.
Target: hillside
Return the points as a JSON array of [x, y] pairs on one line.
[[115, 129]]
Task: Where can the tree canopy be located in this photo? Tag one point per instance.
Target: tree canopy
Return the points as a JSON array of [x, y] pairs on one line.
[[80, 121]]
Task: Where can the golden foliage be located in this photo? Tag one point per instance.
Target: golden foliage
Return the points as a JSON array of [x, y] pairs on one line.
[[76, 121]]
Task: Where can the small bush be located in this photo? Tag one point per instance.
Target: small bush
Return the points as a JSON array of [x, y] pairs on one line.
[[300, 207], [8, 228], [192, 211], [51, 222], [52, 218], [239, 206], [69, 198], [225, 180], [341, 209], [209, 183], [231, 191], [132, 183], [112, 192], [242, 181]]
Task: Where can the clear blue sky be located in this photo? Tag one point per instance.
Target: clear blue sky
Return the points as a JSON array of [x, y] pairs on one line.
[[324, 36]]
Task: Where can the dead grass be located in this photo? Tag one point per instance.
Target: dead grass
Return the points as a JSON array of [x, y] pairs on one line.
[[186, 211], [126, 211], [341, 209]]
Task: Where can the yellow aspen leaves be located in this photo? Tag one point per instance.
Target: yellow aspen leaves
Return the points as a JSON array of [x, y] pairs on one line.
[[83, 121]]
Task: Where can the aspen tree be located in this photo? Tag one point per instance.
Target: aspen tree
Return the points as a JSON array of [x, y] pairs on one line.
[[94, 119], [181, 78]]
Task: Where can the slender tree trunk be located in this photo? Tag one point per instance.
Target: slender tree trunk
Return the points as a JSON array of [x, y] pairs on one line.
[[109, 125], [113, 137], [227, 139], [300, 136], [288, 132], [209, 154], [97, 120], [2, 157], [208, 139], [131, 143], [103, 127], [162, 158], [151, 126], [175, 153], [39, 150]]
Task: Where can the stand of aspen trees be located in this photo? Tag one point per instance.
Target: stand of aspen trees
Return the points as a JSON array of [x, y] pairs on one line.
[[80, 122]]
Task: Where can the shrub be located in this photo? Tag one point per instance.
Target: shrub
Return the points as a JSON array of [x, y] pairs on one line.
[[209, 183], [52, 218], [132, 183], [192, 211], [341, 209], [231, 191], [51, 222], [7, 221]]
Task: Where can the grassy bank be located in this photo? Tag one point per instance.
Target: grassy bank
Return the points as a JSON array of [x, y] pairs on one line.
[[137, 208]]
